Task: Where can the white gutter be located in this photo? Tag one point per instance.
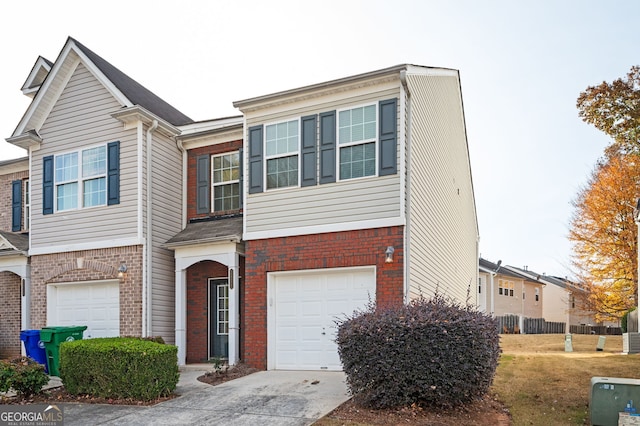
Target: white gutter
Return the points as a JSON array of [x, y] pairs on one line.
[[405, 178], [184, 182], [146, 284]]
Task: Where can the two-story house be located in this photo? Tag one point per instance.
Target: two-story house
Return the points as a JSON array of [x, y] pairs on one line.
[[504, 290], [106, 192], [242, 237], [357, 189]]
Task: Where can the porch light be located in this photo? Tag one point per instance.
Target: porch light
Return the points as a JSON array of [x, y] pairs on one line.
[[122, 272], [389, 254]]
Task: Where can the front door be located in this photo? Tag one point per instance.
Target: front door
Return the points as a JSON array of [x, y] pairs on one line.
[[218, 317]]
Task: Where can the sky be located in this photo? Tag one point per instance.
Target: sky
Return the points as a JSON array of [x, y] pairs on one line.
[[522, 66]]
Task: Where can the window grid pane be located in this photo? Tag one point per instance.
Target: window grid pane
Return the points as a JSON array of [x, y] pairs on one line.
[[357, 124], [94, 161], [282, 172], [282, 138], [226, 187], [226, 197], [67, 196], [95, 192], [358, 161], [67, 167], [223, 309]]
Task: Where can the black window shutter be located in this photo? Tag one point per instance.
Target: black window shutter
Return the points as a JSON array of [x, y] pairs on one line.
[[309, 159], [16, 205], [113, 173], [203, 184], [255, 160], [328, 147], [47, 185], [388, 138], [241, 178]]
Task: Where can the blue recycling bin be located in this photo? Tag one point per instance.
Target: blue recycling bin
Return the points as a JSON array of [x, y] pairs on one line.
[[34, 347]]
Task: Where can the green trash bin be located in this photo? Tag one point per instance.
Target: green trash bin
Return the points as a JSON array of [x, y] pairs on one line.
[[52, 337]]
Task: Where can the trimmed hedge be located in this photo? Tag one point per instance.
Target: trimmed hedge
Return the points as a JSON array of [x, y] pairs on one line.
[[119, 367], [430, 352]]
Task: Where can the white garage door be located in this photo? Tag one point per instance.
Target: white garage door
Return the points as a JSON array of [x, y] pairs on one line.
[[94, 304], [302, 310]]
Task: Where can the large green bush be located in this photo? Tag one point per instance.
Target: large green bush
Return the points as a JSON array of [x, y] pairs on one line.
[[119, 367], [431, 352]]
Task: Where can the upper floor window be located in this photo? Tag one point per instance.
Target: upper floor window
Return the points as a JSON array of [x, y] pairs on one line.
[[537, 294], [357, 133], [505, 287], [81, 179], [281, 149], [226, 181]]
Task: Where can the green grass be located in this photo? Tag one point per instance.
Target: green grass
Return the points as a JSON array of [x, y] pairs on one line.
[[542, 385]]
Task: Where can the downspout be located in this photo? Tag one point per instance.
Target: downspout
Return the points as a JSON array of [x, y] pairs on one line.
[[405, 178], [146, 284], [184, 182]]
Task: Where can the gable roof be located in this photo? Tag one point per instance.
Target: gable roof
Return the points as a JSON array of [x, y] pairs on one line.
[[508, 271], [126, 90], [12, 243], [134, 91]]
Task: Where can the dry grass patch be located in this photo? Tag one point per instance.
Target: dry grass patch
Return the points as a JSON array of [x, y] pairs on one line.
[[541, 384]]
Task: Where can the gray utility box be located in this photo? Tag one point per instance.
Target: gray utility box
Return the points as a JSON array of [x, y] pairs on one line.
[[608, 398]]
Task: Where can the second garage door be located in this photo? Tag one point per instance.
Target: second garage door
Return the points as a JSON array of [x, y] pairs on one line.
[[94, 304], [302, 310]]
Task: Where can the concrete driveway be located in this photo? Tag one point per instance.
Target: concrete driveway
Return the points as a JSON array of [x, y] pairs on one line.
[[263, 398]]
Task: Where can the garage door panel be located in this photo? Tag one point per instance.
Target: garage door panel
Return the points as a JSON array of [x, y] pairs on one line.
[[305, 310], [95, 305]]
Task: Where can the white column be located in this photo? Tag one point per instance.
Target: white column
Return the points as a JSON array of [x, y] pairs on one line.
[[234, 309], [181, 315]]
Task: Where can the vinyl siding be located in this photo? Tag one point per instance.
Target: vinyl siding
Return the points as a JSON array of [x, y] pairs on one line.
[[167, 214], [442, 227], [348, 201], [81, 118]]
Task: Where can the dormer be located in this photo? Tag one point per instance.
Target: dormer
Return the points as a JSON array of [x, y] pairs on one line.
[[36, 77]]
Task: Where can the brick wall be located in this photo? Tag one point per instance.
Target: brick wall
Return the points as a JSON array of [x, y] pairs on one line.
[[331, 250], [6, 198], [101, 264], [198, 307], [9, 315], [192, 176]]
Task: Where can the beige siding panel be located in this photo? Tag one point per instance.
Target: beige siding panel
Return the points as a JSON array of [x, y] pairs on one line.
[[81, 118], [340, 202], [167, 221], [442, 221]]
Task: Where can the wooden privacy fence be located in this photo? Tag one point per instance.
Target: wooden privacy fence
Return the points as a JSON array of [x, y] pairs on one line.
[[510, 324], [595, 329]]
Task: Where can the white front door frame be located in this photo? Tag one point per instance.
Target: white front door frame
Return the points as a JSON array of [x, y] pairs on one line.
[[228, 254]]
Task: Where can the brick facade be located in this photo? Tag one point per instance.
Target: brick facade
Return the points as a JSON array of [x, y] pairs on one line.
[[90, 265], [9, 315], [193, 154], [319, 251], [6, 198]]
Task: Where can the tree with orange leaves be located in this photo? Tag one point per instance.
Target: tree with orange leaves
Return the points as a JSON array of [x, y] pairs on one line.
[[604, 236]]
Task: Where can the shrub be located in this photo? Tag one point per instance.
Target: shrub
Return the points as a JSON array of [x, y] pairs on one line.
[[119, 367], [7, 371], [24, 375], [430, 352]]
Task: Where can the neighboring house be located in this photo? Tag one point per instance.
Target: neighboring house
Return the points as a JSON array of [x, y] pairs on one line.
[[105, 176], [243, 237], [338, 173], [502, 290], [561, 303], [14, 262]]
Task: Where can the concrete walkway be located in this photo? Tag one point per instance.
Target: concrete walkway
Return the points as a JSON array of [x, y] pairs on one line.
[[264, 398]]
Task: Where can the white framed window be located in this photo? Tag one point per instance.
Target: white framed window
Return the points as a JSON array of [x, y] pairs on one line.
[[27, 204], [222, 308], [225, 180], [505, 288], [282, 145], [81, 179], [357, 146], [537, 294]]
